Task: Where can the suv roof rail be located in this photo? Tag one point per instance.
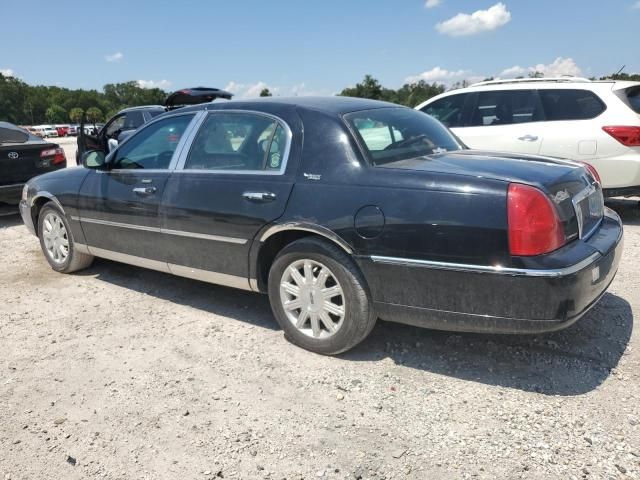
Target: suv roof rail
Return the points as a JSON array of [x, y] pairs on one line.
[[531, 80]]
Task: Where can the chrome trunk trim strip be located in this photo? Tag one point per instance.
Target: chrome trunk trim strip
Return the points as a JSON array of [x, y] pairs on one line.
[[495, 269]]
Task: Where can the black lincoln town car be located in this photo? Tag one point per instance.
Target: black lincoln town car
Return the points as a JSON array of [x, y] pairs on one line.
[[343, 211]]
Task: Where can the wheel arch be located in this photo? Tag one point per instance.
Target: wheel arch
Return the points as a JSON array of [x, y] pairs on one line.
[[277, 237], [38, 202]]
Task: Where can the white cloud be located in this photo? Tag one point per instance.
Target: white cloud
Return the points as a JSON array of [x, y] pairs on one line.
[[464, 24], [162, 84], [560, 66], [7, 72], [114, 57], [515, 71], [432, 3], [636, 6], [252, 90], [438, 75]]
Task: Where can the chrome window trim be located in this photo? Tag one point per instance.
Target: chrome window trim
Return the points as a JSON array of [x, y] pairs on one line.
[[206, 113], [234, 281], [13, 185], [176, 153], [494, 269], [181, 233]]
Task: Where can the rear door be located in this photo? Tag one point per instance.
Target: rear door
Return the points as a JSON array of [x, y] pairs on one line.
[[235, 178], [118, 207], [504, 120]]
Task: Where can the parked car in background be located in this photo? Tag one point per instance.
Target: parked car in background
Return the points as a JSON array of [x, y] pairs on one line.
[[62, 130], [23, 156], [72, 130], [591, 121], [127, 121], [45, 131], [342, 210]]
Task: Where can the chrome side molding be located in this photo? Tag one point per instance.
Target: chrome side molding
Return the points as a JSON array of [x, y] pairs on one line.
[[203, 236], [180, 270], [307, 227], [494, 269]]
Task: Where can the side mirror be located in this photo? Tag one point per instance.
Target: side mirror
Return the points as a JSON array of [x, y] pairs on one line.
[[93, 159]]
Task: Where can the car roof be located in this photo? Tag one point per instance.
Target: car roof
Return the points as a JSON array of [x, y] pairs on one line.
[[159, 108], [331, 105]]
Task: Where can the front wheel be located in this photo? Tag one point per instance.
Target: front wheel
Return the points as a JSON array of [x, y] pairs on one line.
[[319, 297], [57, 243]]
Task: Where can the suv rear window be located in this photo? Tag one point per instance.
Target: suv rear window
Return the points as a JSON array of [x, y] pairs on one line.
[[560, 104], [633, 94], [393, 134]]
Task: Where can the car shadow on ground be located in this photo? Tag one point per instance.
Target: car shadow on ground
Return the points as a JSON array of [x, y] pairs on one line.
[[238, 304], [569, 362], [627, 208]]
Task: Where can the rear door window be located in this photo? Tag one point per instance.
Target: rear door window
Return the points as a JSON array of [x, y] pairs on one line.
[[133, 120], [239, 142], [506, 107], [570, 104], [448, 109]]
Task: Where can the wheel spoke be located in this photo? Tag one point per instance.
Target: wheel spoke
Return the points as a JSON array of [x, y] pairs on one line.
[[308, 273], [315, 324], [47, 225], [302, 319], [327, 322], [293, 304], [322, 277], [291, 289], [331, 292], [331, 307], [295, 274]]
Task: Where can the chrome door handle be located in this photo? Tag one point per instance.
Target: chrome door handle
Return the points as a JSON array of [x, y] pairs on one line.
[[528, 138], [144, 191], [259, 196]]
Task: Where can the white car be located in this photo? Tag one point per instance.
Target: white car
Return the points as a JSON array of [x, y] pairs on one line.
[[597, 122]]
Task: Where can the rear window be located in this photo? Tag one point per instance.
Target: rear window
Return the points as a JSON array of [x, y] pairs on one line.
[[393, 134], [633, 94], [13, 135], [570, 104]]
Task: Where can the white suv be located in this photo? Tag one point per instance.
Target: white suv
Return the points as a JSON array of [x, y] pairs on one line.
[[597, 122]]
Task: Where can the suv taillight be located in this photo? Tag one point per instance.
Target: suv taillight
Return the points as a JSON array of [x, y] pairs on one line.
[[56, 153], [626, 135], [592, 170], [534, 225]]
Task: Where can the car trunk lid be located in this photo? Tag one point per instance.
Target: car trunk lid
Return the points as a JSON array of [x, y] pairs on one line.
[[21, 161], [575, 193]]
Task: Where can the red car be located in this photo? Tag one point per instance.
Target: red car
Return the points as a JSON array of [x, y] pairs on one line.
[[63, 131]]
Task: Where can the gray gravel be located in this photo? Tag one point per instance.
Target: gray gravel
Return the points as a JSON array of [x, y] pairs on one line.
[[123, 373]]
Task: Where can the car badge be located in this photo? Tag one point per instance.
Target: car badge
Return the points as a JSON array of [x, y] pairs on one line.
[[13, 155], [312, 176], [561, 196]]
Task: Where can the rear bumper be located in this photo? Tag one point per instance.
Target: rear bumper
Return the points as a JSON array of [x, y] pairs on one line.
[[496, 301], [11, 193]]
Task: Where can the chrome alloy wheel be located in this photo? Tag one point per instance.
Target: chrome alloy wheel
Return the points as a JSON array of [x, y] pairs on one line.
[[56, 240], [312, 298]]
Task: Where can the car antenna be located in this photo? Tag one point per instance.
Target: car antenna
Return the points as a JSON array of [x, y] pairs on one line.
[[620, 71]]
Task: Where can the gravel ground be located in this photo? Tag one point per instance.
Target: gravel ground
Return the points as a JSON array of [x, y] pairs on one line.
[[123, 373]]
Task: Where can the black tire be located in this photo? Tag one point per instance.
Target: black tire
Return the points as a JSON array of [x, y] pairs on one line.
[[359, 317], [74, 260]]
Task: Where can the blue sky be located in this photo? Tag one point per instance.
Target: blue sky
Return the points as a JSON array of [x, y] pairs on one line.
[[302, 47]]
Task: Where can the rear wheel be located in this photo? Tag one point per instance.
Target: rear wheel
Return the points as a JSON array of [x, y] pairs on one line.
[[319, 297], [57, 243]]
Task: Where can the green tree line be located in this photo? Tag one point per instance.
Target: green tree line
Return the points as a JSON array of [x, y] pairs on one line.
[[24, 104]]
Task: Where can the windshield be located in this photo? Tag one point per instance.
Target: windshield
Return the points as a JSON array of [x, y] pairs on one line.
[[393, 134]]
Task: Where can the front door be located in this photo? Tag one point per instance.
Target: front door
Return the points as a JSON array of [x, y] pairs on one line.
[[504, 121], [232, 182], [118, 206]]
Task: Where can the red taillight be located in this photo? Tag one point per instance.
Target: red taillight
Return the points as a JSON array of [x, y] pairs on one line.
[[534, 225], [56, 153], [629, 136], [592, 170]]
